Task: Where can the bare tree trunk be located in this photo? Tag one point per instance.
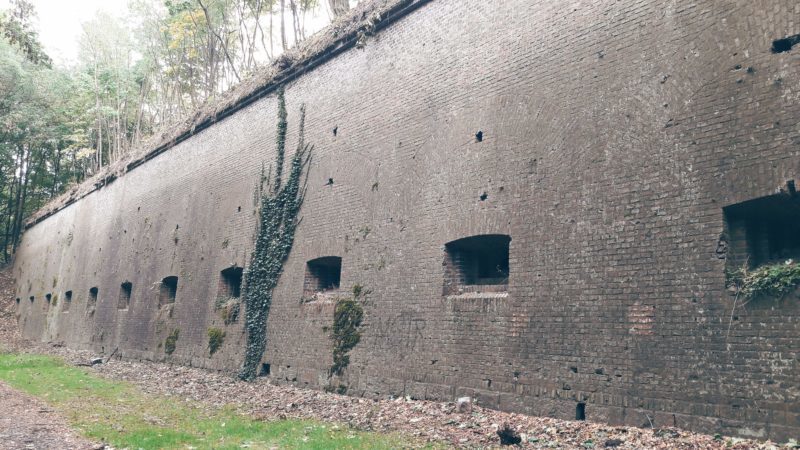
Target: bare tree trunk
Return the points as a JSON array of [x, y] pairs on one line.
[[56, 172], [99, 155], [14, 212], [339, 7], [8, 217], [295, 22], [283, 25], [271, 43], [222, 42], [23, 189]]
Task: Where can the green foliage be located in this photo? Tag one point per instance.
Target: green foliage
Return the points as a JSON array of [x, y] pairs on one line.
[[122, 416], [170, 341], [216, 337], [16, 27], [773, 280], [278, 219], [347, 318]]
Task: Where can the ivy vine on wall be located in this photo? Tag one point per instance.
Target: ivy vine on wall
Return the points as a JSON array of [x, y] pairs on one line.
[[278, 218]]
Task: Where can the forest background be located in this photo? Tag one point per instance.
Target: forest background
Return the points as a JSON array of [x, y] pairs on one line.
[[136, 73]]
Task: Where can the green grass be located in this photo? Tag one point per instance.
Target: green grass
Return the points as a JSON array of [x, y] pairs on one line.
[[125, 417]]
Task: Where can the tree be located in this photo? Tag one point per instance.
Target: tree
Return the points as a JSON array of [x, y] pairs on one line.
[[339, 7], [16, 26]]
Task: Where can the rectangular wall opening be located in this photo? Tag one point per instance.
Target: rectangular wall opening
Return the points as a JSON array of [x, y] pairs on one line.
[[264, 370], [125, 290], [322, 275], [67, 301], [763, 231], [785, 44], [477, 264], [91, 303], [167, 291], [230, 282], [580, 411]]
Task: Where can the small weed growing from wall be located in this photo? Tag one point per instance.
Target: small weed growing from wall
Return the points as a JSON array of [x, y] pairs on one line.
[[215, 339], [228, 308], [772, 280], [347, 319], [172, 339], [278, 218]]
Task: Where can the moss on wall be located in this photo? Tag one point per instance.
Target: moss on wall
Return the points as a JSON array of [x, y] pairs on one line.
[[216, 337], [347, 318], [171, 341]]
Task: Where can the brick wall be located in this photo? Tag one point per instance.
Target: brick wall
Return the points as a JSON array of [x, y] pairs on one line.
[[613, 135]]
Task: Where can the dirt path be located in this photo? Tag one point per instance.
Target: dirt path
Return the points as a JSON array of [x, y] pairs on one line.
[[27, 423]]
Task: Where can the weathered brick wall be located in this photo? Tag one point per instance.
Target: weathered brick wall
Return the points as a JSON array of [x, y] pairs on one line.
[[613, 135]]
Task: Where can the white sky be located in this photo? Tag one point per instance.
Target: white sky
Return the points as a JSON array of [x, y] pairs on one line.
[[59, 23]]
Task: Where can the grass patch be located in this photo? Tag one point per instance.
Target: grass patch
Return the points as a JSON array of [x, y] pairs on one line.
[[121, 415]]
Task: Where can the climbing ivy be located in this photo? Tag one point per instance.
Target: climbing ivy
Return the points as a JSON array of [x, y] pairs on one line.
[[278, 219]]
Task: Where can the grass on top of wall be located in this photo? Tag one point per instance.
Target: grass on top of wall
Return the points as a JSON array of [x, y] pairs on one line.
[[123, 416]]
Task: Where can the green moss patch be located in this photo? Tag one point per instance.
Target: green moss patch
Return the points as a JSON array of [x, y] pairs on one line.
[[347, 318], [171, 340], [216, 337]]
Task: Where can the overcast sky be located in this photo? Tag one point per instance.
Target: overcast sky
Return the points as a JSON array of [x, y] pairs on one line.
[[60, 23]]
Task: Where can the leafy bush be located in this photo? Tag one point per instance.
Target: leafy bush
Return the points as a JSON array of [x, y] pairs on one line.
[[774, 280]]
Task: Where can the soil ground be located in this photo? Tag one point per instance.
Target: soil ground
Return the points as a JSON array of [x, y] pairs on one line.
[[27, 423]]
